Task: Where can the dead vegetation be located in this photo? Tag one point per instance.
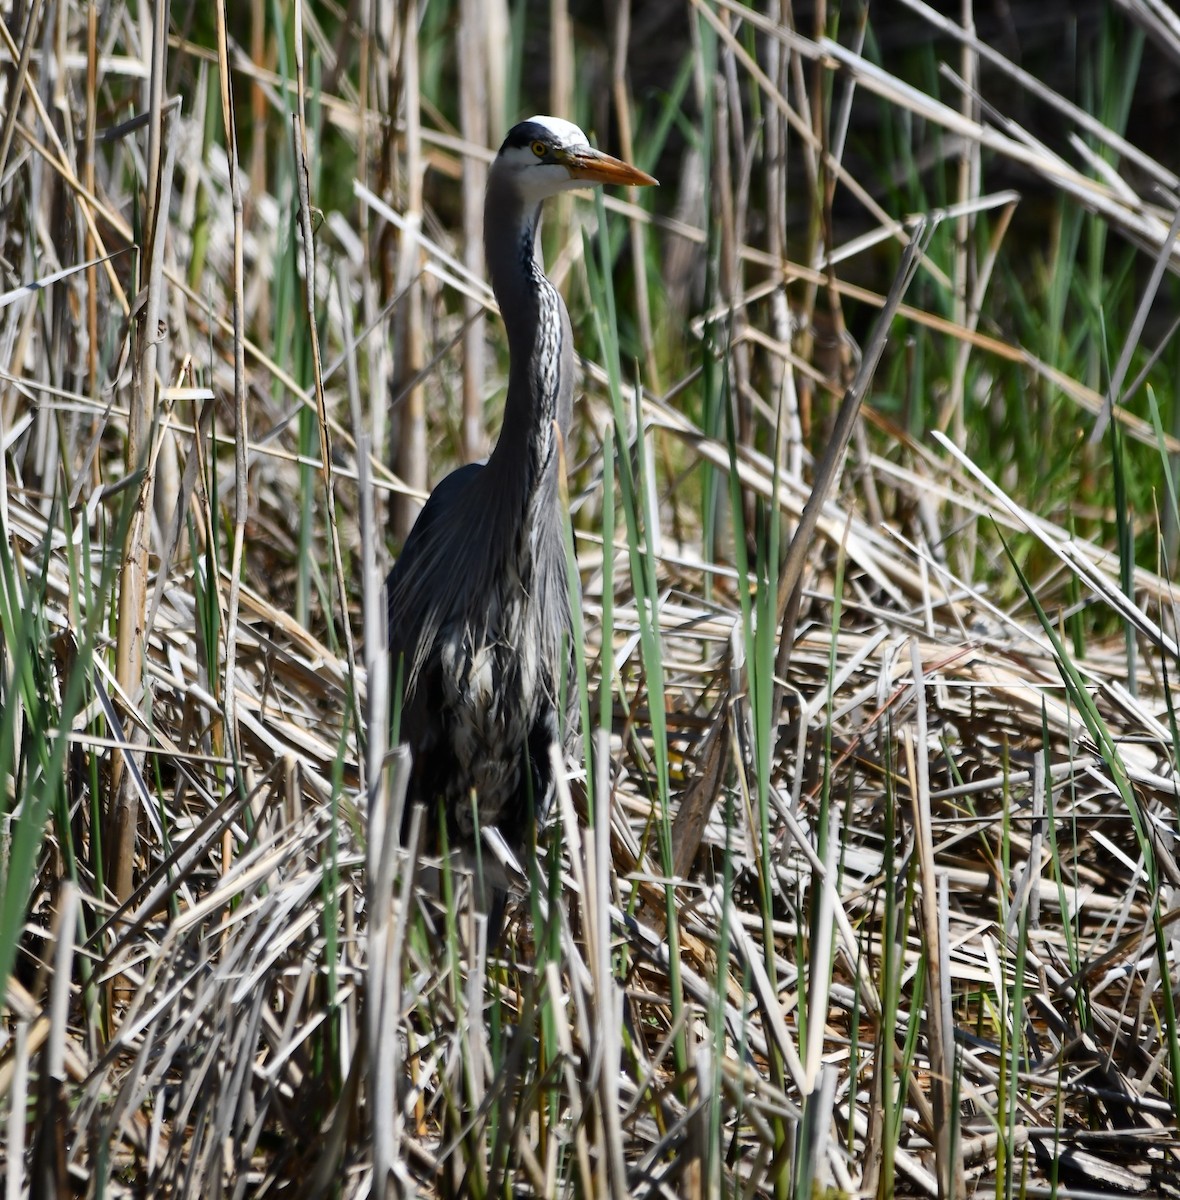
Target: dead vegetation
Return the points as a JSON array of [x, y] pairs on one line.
[[886, 906]]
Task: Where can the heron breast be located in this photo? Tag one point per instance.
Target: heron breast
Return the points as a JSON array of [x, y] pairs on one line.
[[491, 699]]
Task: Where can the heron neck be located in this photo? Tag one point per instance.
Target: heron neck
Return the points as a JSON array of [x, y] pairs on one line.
[[540, 371]]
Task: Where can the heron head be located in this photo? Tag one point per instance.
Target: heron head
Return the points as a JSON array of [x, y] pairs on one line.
[[546, 155]]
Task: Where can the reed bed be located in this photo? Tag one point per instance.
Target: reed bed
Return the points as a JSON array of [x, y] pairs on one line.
[[863, 879]]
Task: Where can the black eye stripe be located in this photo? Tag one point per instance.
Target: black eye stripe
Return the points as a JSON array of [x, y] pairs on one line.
[[525, 134]]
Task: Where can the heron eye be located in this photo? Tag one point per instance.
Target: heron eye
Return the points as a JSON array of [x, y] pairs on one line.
[[539, 149]]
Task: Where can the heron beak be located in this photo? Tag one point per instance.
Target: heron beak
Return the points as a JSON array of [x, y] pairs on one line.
[[595, 167]]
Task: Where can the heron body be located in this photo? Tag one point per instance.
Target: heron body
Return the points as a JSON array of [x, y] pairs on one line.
[[479, 611]]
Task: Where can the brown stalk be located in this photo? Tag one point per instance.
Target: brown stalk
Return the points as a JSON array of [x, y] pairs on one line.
[[409, 419], [790, 582], [623, 106], [229, 732], [561, 60], [560, 214], [939, 1021], [309, 275], [17, 83], [88, 183], [969, 186], [57, 157], [474, 42], [123, 813], [782, 380], [258, 102]]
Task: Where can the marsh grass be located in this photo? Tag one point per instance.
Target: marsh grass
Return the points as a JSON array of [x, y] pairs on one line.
[[862, 880]]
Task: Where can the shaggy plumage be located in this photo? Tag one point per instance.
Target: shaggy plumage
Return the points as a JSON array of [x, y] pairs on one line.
[[479, 616]]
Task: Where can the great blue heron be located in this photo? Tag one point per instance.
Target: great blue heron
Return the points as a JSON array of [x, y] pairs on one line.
[[479, 615]]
